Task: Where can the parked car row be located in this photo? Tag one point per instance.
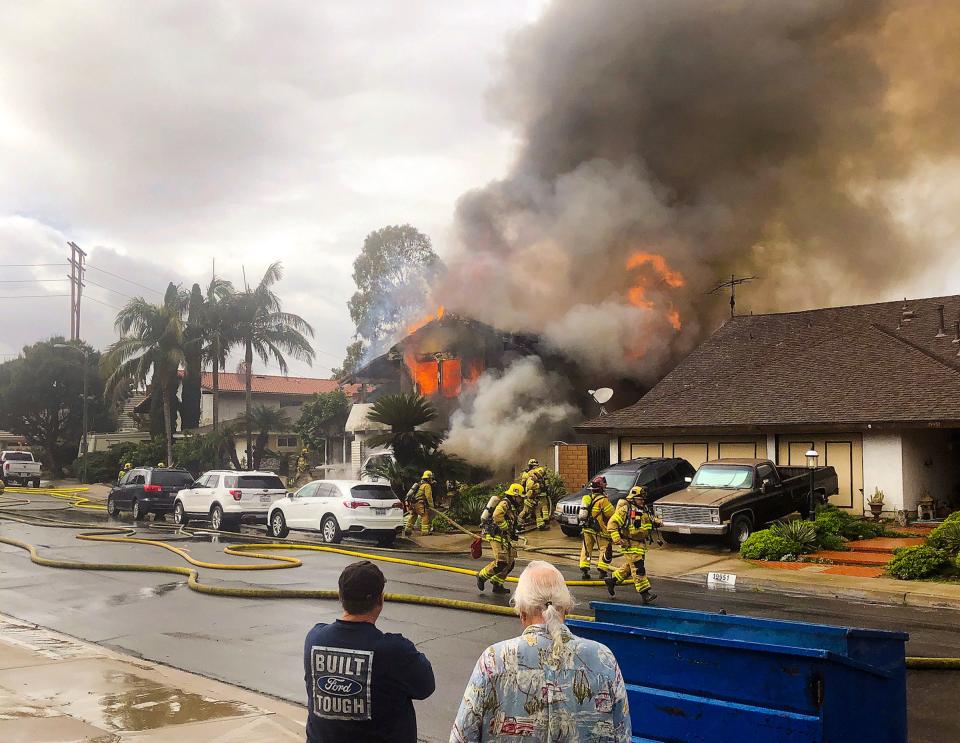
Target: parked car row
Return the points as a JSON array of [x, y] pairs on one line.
[[226, 498]]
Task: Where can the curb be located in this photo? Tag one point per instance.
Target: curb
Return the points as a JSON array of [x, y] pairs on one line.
[[871, 596]]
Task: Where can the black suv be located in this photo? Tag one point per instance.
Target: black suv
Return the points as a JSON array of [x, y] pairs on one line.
[[146, 490], [660, 475]]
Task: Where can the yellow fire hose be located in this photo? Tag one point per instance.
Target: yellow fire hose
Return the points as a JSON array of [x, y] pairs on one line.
[[258, 550]]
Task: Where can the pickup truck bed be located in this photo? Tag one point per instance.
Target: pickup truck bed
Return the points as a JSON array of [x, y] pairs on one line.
[[18, 468]]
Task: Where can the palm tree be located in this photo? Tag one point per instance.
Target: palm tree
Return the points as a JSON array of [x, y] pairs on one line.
[[152, 340], [218, 325], [264, 329], [264, 420], [404, 412]]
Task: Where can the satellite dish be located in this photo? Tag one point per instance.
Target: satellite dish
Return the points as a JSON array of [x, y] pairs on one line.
[[601, 395]]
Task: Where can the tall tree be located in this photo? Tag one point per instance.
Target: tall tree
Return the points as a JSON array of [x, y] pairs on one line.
[[219, 336], [193, 366], [152, 342], [41, 398], [404, 413], [322, 417], [265, 330], [393, 274]]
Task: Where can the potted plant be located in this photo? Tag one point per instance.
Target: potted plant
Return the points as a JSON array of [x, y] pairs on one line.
[[875, 502]]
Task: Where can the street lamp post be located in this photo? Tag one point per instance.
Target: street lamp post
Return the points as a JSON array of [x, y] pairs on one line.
[[812, 461], [83, 441]]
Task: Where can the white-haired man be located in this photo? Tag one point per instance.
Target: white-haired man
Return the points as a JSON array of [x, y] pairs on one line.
[[547, 684]]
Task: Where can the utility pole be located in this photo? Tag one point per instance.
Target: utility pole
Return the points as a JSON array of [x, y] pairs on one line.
[[77, 263], [732, 285]]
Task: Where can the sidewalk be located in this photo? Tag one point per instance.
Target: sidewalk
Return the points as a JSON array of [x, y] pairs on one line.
[[692, 564], [55, 688]]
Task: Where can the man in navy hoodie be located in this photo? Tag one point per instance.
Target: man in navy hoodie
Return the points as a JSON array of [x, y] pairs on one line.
[[361, 682]]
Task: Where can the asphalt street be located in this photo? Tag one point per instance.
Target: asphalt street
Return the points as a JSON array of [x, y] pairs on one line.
[[258, 644]]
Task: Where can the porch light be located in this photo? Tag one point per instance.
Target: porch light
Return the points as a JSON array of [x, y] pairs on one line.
[[812, 458]]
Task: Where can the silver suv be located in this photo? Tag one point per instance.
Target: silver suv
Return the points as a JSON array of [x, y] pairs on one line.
[[226, 497]]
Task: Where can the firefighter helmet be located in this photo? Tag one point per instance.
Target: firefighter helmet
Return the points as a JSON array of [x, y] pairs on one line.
[[598, 484], [161, 465], [533, 463], [128, 466], [515, 490], [637, 493], [427, 475]]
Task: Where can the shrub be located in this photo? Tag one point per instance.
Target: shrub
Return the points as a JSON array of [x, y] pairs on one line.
[[955, 516], [946, 536], [765, 545], [802, 535], [831, 542], [468, 503], [913, 563], [831, 520]]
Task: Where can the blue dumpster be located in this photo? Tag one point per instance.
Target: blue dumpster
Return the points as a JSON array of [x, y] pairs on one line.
[[696, 676]]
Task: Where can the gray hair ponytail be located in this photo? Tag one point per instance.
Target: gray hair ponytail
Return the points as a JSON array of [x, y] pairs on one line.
[[542, 590]]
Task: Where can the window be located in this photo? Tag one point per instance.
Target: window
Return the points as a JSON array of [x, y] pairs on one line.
[[136, 480], [266, 482], [669, 475], [166, 477], [326, 490], [648, 476], [286, 442], [307, 491], [18, 456], [212, 481], [765, 472], [713, 476], [373, 492], [619, 479]]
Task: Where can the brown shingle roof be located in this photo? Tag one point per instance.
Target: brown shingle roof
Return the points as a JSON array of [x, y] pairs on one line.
[[841, 366], [274, 384]]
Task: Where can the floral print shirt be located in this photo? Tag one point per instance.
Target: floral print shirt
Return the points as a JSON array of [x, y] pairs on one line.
[[521, 693]]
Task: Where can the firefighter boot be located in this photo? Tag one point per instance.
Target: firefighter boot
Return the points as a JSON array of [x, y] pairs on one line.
[[648, 597], [501, 589], [481, 581], [611, 583], [586, 573], [603, 574]]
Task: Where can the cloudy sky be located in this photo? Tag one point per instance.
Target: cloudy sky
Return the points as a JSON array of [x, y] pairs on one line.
[[163, 135]]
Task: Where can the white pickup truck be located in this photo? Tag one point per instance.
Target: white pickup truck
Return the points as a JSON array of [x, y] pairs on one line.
[[18, 467]]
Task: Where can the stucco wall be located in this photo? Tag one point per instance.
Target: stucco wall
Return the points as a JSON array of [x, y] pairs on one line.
[[883, 468], [928, 463], [232, 406]]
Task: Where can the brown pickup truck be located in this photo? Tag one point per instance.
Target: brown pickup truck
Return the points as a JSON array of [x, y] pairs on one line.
[[730, 498]]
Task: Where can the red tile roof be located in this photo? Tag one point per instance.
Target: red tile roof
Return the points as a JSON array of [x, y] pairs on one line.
[[849, 366], [275, 384]]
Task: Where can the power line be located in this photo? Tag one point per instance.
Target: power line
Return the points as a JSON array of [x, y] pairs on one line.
[[28, 265], [27, 281], [123, 278], [105, 304], [101, 286], [32, 296]]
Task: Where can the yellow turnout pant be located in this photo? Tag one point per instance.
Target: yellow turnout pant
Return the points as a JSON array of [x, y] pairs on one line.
[[633, 565], [594, 540], [504, 557], [420, 512]]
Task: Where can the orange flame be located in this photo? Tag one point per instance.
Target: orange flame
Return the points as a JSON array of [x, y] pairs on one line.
[[661, 271], [426, 320]]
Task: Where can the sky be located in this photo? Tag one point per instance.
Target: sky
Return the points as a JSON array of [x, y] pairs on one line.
[[164, 136]]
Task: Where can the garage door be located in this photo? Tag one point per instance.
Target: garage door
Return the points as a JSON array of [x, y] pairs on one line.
[[696, 454], [745, 449], [646, 450], [839, 455], [844, 454]]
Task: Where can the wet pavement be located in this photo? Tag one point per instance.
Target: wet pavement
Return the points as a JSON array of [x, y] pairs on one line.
[[257, 643]]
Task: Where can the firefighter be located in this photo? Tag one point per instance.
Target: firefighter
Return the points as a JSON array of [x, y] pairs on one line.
[[123, 472], [501, 531], [161, 465], [630, 529], [301, 463], [595, 511], [533, 479], [420, 506]]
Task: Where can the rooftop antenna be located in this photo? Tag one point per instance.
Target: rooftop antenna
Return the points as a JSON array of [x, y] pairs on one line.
[[601, 396], [732, 285]]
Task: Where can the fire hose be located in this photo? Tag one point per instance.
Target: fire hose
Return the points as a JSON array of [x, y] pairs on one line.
[[258, 551]]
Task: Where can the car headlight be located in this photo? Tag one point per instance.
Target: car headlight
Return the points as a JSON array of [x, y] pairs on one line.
[[658, 512], [715, 515]]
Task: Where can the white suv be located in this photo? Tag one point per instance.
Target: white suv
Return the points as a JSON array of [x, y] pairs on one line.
[[339, 508], [226, 497]]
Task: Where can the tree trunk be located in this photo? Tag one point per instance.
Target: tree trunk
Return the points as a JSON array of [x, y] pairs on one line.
[[168, 426], [216, 398], [260, 448], [248, 398]]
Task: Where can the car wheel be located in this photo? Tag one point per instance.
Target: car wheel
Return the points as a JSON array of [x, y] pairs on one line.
[[216, 517], [740, 529], [570, 531], [113, 510], [137, 510], [278, 525], [36, 482], [330, 530], [387, 541], [180, 517]]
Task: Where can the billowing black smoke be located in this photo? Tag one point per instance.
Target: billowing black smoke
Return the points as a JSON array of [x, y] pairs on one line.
[[667, 144]]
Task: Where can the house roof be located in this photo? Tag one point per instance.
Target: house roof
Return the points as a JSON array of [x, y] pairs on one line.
[[877, 364], [357, 421], [267, 384]]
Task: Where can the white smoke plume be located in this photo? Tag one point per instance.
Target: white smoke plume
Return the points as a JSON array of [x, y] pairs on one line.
[[507, 409]]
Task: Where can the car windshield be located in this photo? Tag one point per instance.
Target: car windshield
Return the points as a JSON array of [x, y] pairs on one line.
[[18, 456], [620, 480], [373, 492], [258, 482], [723, 477], [160, 477]]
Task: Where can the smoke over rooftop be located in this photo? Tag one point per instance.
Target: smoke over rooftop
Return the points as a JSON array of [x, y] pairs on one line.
[[667, 144]]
